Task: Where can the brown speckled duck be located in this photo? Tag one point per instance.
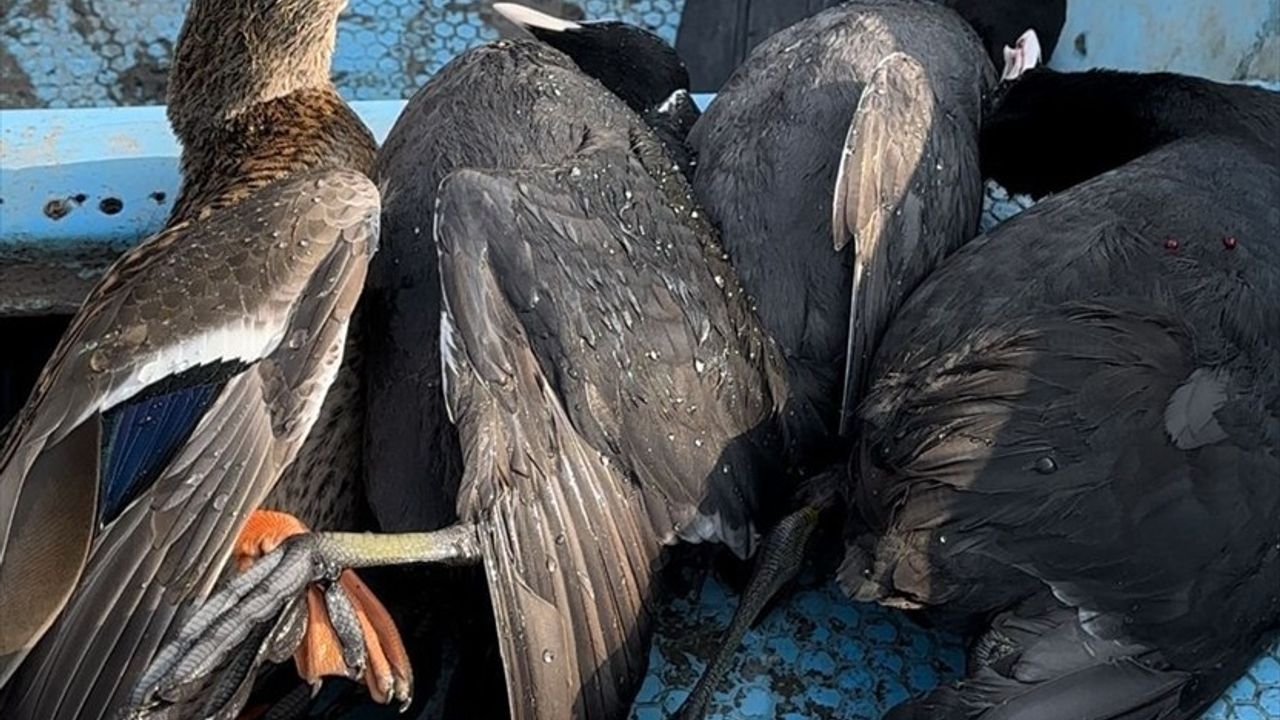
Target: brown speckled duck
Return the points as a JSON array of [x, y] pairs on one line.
[[193, 389]]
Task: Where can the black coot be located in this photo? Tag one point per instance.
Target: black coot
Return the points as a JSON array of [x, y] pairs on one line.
[[1074, 422], [858, 125], [635, 64]]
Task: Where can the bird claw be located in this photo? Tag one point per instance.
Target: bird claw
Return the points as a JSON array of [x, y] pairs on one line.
[[323, 615], [215, 632], [346, 625]]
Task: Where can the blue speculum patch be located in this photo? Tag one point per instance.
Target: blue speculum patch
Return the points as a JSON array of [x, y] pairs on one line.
[[143, 434]]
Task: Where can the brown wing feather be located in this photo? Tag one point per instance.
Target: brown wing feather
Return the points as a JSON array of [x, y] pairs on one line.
[[908, 192], [567, 546], [284, 268]]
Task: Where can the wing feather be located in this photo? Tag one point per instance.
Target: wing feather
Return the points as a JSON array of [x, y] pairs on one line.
[[269, 284], [568, 550], [908, 192]]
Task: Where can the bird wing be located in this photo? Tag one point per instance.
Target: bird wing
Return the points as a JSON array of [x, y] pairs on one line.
[[567, 550], [608, 380], [179, 393], [908, 191]]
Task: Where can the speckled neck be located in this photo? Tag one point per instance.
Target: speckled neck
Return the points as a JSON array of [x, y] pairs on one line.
[[303, 131], [250, 99]]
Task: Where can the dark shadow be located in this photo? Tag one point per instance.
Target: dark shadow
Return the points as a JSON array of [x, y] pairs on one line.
[[28, 341]]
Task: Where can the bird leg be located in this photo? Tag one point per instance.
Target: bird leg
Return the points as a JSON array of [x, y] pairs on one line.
[[348, 632], [777, 563]]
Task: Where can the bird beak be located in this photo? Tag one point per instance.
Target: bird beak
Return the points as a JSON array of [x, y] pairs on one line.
[[1023, 57], [531, 20]]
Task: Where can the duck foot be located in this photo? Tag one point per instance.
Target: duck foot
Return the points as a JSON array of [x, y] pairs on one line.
[[348, 633], [322, 612]]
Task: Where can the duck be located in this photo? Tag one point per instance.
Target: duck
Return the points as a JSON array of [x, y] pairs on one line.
[[611, 390], [856, 127], [1070, 440], [170, 437]]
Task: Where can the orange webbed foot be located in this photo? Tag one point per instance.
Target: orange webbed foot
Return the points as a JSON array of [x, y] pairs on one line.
[[387, 672]]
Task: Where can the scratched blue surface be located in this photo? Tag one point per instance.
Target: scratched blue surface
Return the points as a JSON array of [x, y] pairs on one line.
[[819, 655], [116, 52]]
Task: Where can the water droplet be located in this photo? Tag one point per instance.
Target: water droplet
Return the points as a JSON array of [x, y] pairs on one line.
[[942, 539], [551, 564], [699, 366], [98, 361], [297, 338], [548, 656], [1229, 242], [1046, 465], [1172, 245], [560, 539]]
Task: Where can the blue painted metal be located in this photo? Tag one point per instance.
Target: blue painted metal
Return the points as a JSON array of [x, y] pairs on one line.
[[100, 175], [1236, 40], [61, 170]]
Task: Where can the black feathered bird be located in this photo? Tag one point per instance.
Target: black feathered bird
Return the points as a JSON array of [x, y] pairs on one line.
[[1074, 422]]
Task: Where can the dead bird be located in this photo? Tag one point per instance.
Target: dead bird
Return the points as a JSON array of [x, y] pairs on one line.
[[841, 163], [189, 380], [858, 125], [611, 389], [1073, 426]]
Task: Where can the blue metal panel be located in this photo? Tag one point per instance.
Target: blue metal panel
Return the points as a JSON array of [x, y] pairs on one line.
[[1236, 40], [101, 174]]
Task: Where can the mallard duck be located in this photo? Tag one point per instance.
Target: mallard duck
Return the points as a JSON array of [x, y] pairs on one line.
[[188, 382], [1073, 429], [611, 389]]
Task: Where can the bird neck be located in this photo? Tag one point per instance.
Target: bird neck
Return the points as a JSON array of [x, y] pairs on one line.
[[1048, 131], [304, 130]]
